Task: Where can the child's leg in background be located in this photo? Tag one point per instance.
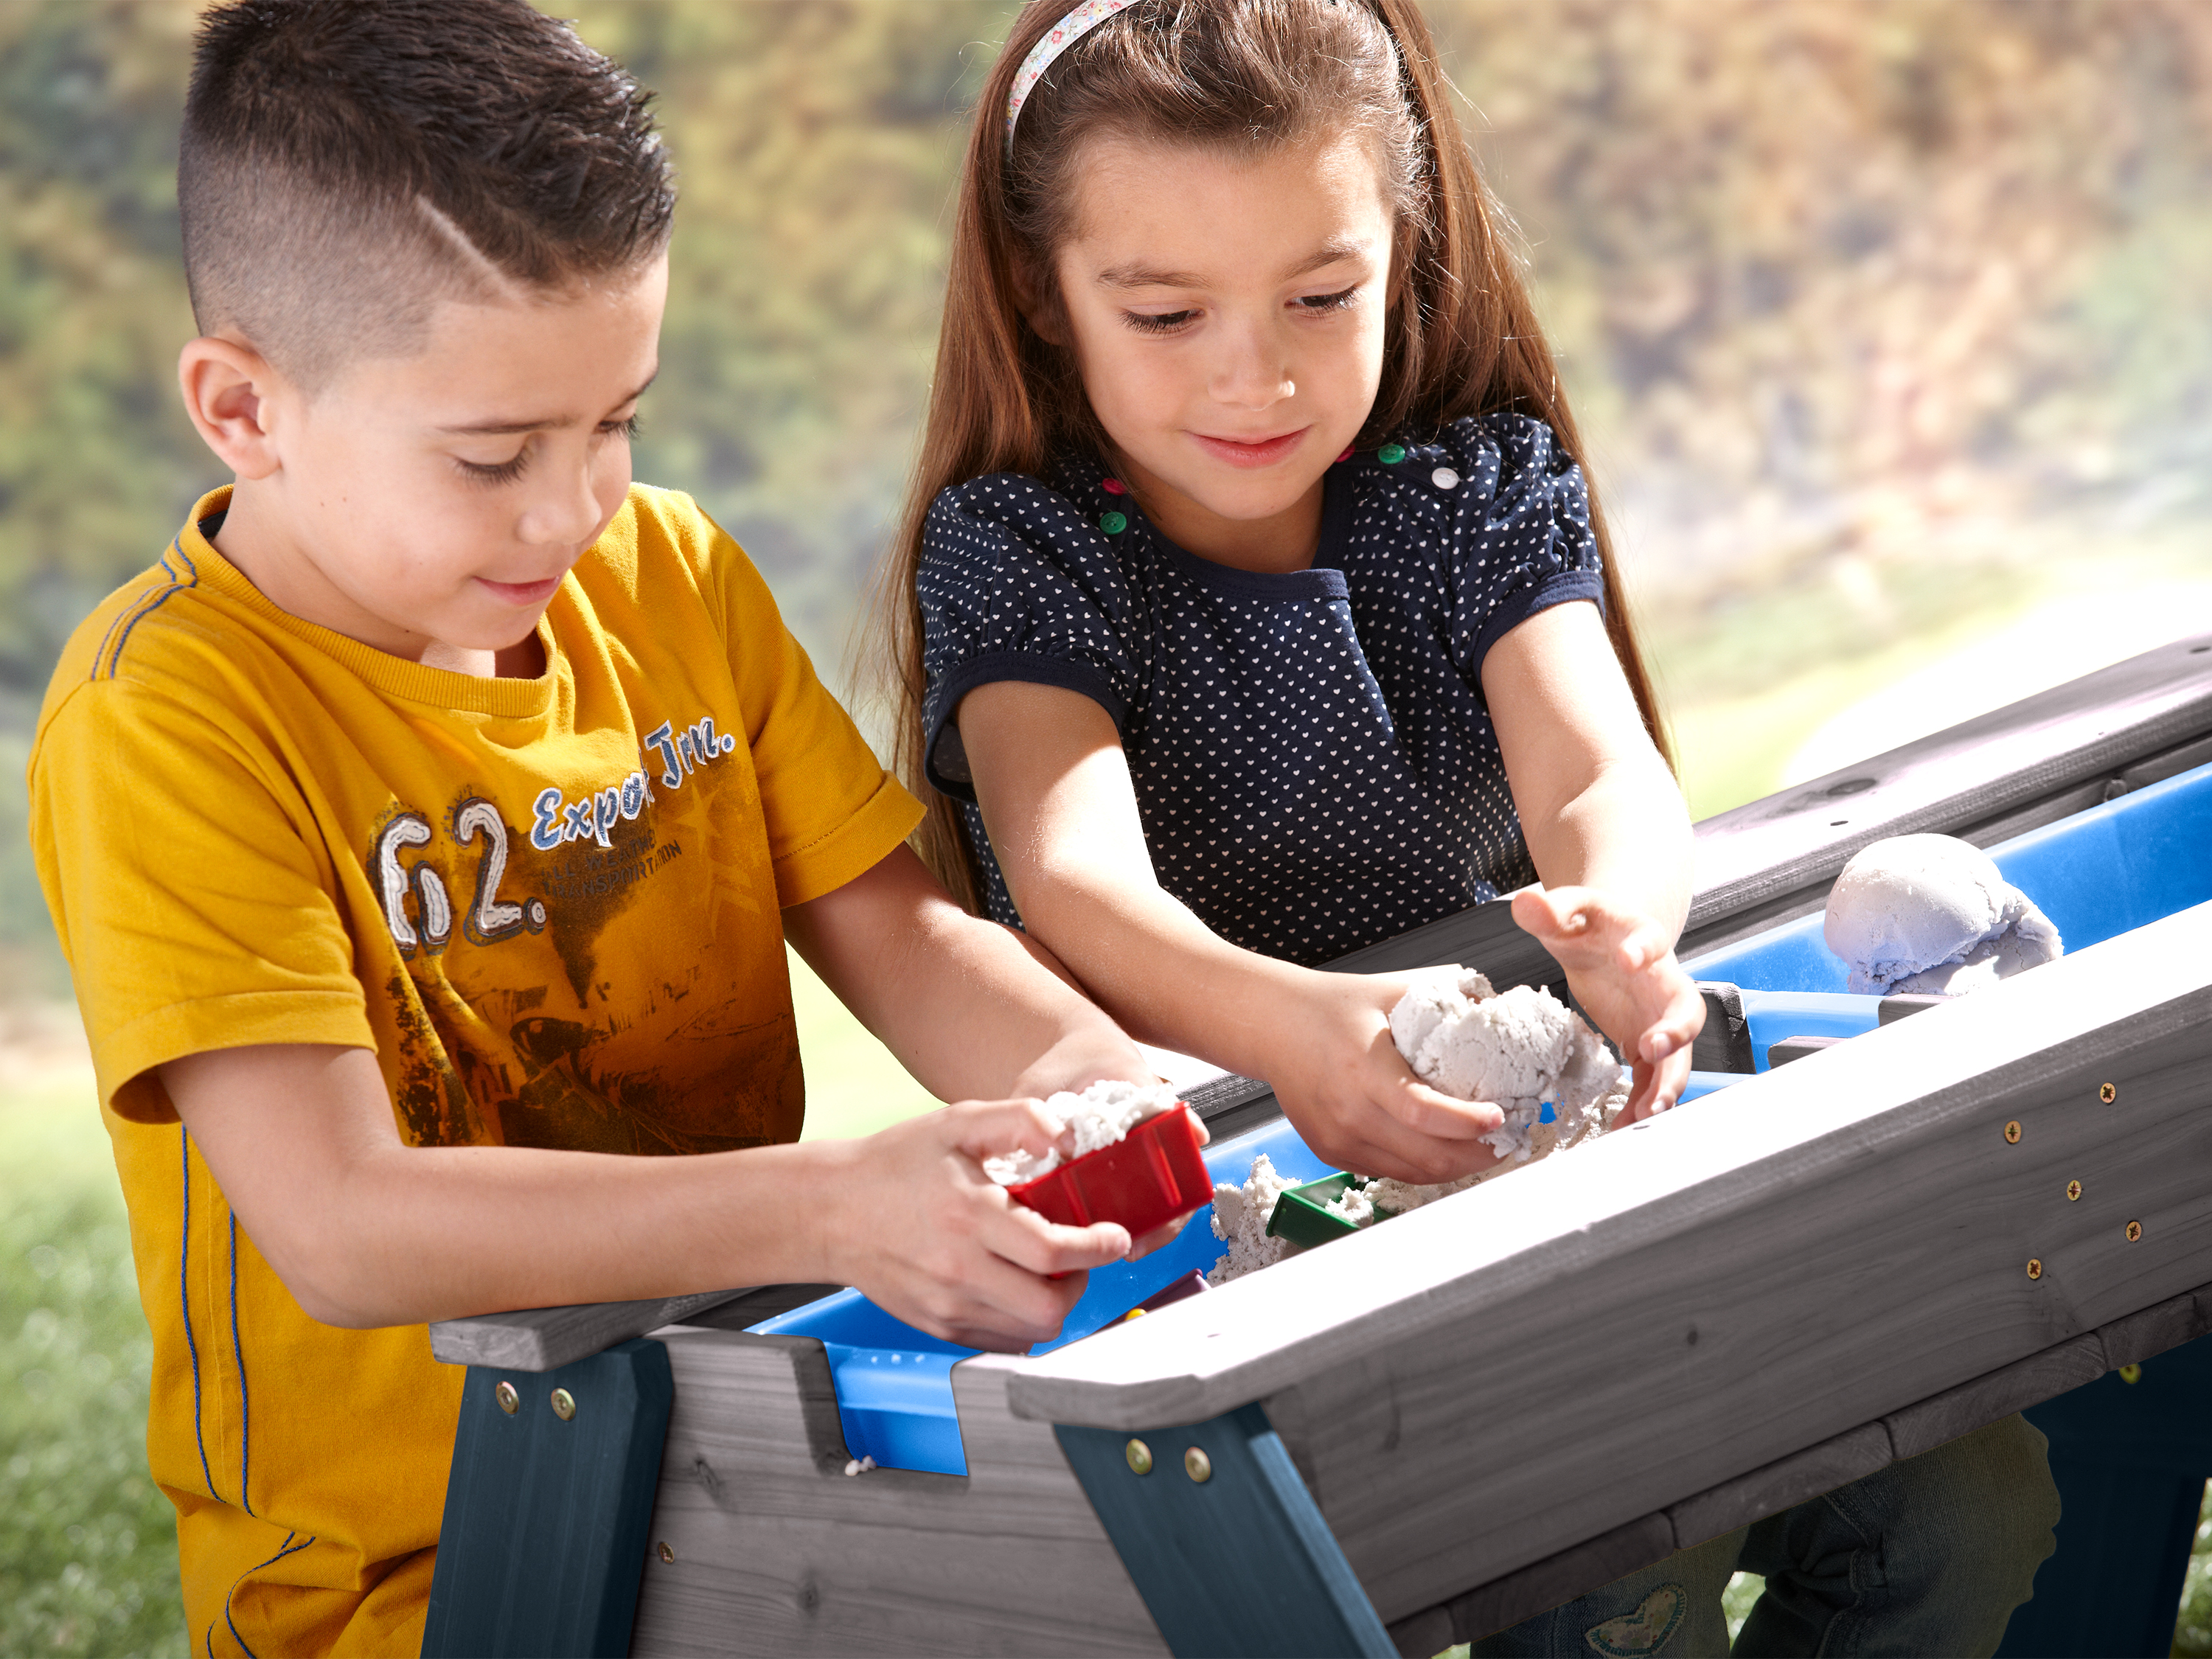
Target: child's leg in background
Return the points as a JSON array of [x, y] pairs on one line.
[[1928, 1556], [1672, 1607]]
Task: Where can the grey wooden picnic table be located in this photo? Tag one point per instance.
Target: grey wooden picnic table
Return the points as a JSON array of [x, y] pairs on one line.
[[1436, 1428]]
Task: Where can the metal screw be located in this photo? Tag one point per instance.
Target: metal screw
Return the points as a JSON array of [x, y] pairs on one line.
[[2131, 1373], [1197, 1465], [564, 1405], [2134, 1231], [2012, 1132], [2035, 1267], [509, 1401], [666, 1554], [1139, 1456], [2107, 1093], [2073, 1191]]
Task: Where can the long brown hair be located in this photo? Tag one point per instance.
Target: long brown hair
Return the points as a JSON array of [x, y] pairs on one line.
[[1463, 337]]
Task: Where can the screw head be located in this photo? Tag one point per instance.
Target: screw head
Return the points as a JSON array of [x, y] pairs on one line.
[[2108, 1093], [2012, 1132], [1197, 1465], [564, 1405], [509, 1401], [2073, 1191], [666, 1554], [2035, 1267], [1139, 1456], [2134, 1231]]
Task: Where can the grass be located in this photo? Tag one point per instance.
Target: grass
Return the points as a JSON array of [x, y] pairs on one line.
[[87, 1550], [87, 1545]]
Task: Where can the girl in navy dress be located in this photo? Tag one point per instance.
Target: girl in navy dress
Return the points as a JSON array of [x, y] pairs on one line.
[[1252, 607]]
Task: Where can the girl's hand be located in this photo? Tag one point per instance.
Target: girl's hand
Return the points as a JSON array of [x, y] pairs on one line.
[[1623, 972], [916, 1226], [1344, 1085]]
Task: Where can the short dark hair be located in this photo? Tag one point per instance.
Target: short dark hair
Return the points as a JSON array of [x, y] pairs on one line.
[[346, 164]]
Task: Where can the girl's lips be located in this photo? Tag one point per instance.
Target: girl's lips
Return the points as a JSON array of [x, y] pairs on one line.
[[1264, 453], [522, 592]]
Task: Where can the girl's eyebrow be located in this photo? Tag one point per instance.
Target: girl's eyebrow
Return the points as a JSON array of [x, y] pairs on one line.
[[1133, 276]]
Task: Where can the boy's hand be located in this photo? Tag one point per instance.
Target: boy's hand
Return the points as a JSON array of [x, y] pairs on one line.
[[915, 1225], [1351, 1094], [1621, 970]]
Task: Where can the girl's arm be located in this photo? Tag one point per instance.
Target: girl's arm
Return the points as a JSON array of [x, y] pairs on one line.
[[1610, 836], [1055, 787]]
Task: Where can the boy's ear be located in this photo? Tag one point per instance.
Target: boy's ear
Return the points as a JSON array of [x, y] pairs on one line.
[[227, 387]]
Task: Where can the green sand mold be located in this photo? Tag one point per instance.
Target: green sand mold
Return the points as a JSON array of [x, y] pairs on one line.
[[1302, 1214]]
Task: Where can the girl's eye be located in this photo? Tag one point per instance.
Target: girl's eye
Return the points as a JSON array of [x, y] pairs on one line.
[[1157, 322], [1337, 301], [497, 472], [628, 428]]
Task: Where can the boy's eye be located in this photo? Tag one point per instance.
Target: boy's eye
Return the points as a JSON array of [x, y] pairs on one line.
[[1336, 301], [1158, 322], [497, 472]]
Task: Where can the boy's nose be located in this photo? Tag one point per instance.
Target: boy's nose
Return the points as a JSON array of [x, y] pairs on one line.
[[568, 512]]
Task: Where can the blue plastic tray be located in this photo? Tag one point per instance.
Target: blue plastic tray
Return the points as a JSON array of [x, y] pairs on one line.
[[895, 1384], [2096, 874]]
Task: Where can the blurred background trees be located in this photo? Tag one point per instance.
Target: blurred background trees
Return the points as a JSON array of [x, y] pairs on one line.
[[1884, 318], [1887, 323]]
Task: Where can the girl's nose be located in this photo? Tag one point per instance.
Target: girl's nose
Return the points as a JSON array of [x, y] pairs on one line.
[[1253, 372]]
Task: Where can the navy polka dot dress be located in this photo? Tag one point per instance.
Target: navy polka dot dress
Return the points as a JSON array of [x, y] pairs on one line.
[[1314, 762]]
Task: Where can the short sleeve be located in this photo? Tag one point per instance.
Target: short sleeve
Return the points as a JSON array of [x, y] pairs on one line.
[[190, 889], [1524, 537], [831, 810], [1015, 585]]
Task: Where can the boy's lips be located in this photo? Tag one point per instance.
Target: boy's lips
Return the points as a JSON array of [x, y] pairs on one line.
[[1251, 453], [535, 593]]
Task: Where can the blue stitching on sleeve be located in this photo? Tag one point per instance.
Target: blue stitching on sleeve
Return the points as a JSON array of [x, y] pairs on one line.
[[245, 1409], [290, 1548], [184, 1303], [175, 586]]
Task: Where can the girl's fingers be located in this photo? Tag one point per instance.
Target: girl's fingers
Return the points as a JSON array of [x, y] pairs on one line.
[[995, 1128], [1437, 1116]]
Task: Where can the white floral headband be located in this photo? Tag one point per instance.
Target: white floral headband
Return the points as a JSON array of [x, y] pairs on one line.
[[1057, 39]]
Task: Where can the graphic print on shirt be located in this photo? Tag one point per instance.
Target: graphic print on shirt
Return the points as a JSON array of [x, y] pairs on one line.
[[489, 1050]]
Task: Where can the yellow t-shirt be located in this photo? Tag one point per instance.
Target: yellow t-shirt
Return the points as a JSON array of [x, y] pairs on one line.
[[550, 906]]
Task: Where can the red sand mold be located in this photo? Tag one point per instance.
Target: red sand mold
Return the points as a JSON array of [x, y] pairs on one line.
[[1146, 1180]]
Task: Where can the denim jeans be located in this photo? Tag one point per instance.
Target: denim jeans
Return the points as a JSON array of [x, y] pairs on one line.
[[1927, 1557]]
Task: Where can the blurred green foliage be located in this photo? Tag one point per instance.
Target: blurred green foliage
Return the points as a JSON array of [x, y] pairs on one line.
[[88, 1544]]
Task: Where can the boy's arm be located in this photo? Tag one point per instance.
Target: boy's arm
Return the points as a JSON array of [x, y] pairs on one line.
[[971, 1008], [1055, 790], [365, 1230], [1610, 836]]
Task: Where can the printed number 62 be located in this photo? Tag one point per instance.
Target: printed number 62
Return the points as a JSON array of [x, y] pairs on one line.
[[490, 919]]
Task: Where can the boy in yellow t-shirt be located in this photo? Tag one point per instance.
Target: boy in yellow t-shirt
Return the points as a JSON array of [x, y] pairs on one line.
[[425, 828]]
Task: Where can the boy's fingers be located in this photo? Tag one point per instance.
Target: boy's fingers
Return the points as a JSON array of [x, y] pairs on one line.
[[1029, 1241], [1160, 1236]]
